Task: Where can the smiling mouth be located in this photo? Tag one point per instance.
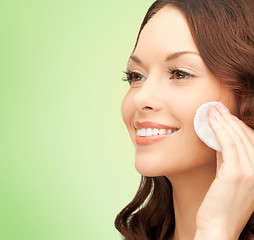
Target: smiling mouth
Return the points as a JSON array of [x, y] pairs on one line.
[[147, 128], [150, 132], [144, 137], [147, 132]]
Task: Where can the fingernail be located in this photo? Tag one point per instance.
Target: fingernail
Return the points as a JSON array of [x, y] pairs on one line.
[[236, 118], [223, 107], [215, 111], [213, 117]]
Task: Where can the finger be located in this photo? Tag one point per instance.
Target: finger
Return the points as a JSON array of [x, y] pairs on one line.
[[238, 133], [229, 152], [247, 129], [241, 160], [240, 125]]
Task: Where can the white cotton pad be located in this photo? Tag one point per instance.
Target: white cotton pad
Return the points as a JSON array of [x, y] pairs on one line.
[[202, 127]]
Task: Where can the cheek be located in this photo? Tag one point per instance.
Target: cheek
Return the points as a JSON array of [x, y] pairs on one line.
[[185, 151], [188, 100], [127, 109]]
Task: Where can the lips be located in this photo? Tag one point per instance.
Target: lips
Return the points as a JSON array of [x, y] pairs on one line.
[[148, 124], [147, 140]]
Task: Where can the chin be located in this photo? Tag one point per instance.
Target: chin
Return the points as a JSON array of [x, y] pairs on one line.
[[148, 172], [154, 168], [147, 165]]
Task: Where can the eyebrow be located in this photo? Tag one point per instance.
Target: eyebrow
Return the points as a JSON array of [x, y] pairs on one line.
[[170, 57]]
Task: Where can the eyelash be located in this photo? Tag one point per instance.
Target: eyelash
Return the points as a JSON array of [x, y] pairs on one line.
[[173, 70], [129, 76]]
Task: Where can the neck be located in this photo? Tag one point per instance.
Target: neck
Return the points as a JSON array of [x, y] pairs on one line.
[[189, 190]]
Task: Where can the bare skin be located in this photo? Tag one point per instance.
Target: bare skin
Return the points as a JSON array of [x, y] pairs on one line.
[[172, 99]]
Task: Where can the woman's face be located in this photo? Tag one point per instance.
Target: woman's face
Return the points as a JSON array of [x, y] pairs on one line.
[[173, 82]]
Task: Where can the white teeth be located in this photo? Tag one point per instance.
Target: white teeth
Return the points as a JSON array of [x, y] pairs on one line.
[[169, 131], [153, 132], [162, 131], [139, 132], [142, 132], [149, 132]]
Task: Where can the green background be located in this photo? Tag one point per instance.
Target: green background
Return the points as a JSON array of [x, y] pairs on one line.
[[66, 158]]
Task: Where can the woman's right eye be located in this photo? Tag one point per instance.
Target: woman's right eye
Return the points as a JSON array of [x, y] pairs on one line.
[[132, 77]]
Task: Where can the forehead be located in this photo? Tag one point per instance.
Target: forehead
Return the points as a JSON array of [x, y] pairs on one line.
[[166, 32]]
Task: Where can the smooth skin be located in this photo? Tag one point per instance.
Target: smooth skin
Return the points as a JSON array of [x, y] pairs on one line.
[[229, 202], [213, 192]]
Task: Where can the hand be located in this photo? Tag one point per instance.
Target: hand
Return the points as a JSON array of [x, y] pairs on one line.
[[229, 202]]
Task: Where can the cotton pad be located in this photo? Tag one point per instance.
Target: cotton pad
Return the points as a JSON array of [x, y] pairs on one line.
[[202, 127]]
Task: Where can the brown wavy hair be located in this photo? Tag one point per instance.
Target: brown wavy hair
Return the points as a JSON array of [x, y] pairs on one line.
[[223, 31]]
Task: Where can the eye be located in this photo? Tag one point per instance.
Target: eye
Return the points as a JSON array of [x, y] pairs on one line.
[[179, 74], [132, 77]]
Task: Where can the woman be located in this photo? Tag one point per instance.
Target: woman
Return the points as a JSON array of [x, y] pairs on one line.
[[189, 52]]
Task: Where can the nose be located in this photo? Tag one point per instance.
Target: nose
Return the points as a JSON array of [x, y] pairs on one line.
[[149, 97]]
